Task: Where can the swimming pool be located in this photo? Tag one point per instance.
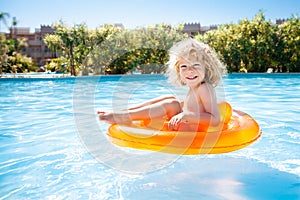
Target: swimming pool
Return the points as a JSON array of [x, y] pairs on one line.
[[53, 147]]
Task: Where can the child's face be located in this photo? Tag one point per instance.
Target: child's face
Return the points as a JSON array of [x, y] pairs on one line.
[[192, 73]]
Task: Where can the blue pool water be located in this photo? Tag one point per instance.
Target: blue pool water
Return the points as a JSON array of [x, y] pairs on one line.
[[53, 147]]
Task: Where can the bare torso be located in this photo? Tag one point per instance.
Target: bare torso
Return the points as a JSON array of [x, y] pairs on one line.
[[193, 103]]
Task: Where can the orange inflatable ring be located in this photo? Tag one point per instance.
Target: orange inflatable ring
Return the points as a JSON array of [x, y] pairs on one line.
[[237, 131]]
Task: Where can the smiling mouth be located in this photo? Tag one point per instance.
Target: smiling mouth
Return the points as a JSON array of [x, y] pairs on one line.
[[191, 78]]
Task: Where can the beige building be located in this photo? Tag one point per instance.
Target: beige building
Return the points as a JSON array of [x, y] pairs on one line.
[[36, 49], [195, 28]]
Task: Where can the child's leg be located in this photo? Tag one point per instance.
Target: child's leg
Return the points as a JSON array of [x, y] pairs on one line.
[[153, 101], [157, 109]]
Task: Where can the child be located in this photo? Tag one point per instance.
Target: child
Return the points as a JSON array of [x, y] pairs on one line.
[[194, 64]]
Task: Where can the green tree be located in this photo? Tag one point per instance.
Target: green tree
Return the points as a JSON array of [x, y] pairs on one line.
[[93, 39], [144, 48], [289, 41], [54, 43], [13, 61], [76, 43], [4, 49], [247, 46], [250, 46], [67, 39], [3, 16]]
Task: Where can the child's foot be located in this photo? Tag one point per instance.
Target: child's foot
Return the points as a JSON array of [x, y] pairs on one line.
[[114, 118], [106, 117]]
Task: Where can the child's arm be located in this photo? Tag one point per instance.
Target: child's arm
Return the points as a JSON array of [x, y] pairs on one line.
[[204, 117], [211, 115]]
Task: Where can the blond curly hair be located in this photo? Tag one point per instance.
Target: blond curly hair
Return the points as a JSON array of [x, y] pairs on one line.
[[195, 51]]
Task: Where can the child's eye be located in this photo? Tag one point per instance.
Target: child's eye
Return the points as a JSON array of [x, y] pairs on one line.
[[183, 66], [196, 66]]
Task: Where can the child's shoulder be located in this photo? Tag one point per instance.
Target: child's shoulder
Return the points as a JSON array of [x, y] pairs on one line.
[[205, 87]]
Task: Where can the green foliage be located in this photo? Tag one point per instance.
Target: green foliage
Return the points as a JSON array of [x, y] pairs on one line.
[[108, 49], [76, 43], [254, 46], [144, 49], [4, 49], [289, 43], [57, 64], [248, 46], [3, 16], [12, 60]]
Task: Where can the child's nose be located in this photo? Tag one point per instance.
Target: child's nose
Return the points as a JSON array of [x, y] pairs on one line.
[[190, 68]]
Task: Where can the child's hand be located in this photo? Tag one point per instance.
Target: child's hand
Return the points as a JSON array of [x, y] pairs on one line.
[[174, 122]]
